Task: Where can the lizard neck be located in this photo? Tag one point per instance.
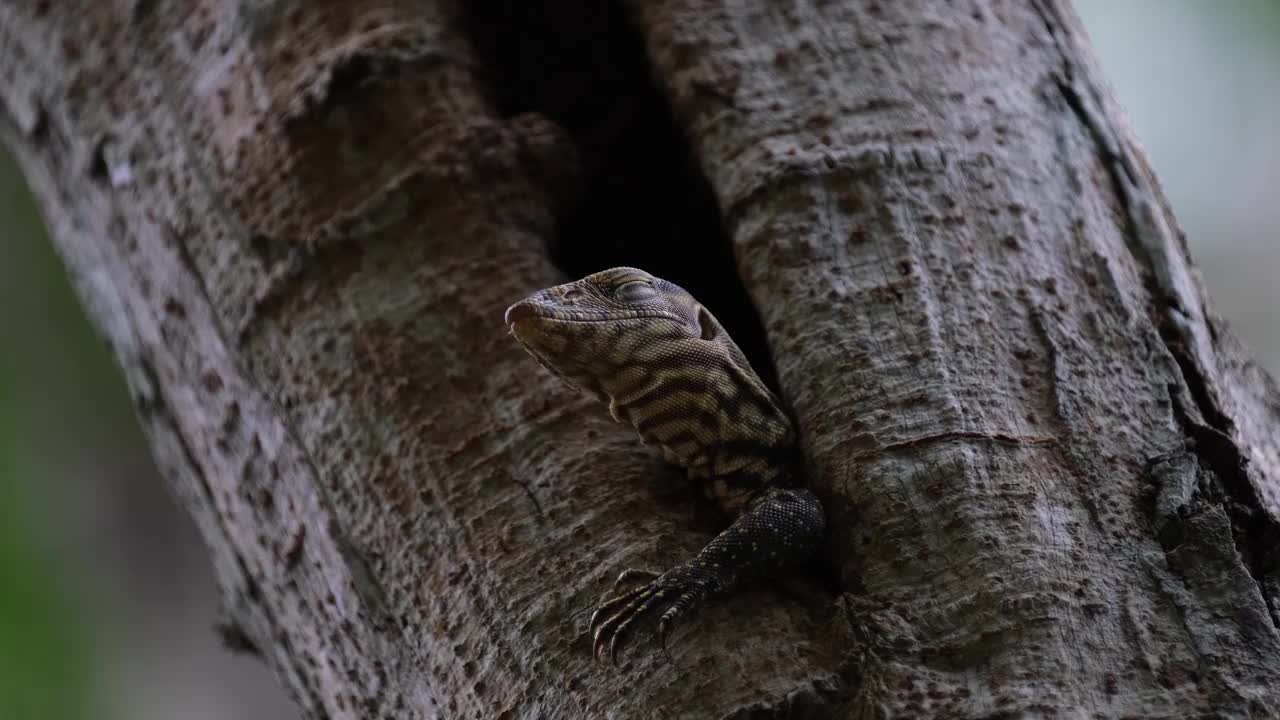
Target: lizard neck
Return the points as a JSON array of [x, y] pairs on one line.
[[710, 413]]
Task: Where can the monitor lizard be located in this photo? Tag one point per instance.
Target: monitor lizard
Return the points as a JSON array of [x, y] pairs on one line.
[[665, 365]]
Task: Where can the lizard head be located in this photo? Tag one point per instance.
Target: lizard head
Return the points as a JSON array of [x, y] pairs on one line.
[[603, 327], [663, 364]]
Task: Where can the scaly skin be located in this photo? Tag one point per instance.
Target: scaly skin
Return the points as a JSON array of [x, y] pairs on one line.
[[663, 364]]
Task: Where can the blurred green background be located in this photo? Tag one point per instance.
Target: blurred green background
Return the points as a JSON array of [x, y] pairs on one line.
[[106, 598]]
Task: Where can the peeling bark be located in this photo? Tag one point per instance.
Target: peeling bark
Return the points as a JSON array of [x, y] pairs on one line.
[[1051, 473]]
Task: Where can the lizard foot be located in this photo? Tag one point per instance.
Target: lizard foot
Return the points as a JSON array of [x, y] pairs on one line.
[[779, 530], [613, 620]]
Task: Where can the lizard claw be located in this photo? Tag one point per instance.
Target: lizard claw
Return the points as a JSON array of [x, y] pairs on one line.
[[613, 620], [668, 620], [631, 575], [627, 576]]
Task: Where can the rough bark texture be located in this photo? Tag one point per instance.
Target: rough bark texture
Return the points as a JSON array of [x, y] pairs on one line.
[[1052, 476]]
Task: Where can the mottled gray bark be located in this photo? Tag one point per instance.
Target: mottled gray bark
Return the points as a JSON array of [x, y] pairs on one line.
[[1052, 476]]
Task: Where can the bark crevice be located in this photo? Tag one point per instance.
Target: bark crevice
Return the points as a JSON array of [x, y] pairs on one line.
[[1175, 311]]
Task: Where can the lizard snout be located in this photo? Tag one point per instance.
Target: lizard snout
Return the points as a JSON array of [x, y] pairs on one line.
[[520, 311]]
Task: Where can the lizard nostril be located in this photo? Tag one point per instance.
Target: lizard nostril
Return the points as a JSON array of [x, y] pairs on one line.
[[571, 293]]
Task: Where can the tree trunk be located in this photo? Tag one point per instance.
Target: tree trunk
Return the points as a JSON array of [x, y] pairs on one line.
[[1052, 476]]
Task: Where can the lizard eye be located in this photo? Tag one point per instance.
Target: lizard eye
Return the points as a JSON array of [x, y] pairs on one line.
[[636, 291]]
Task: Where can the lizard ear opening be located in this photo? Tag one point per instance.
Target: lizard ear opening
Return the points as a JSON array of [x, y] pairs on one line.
[[706, 324]]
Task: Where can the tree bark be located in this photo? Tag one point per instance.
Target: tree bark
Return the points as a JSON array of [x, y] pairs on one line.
[[1052, 475]]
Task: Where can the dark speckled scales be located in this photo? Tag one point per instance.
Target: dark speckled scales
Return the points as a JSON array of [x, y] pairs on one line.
[[665, 366]]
